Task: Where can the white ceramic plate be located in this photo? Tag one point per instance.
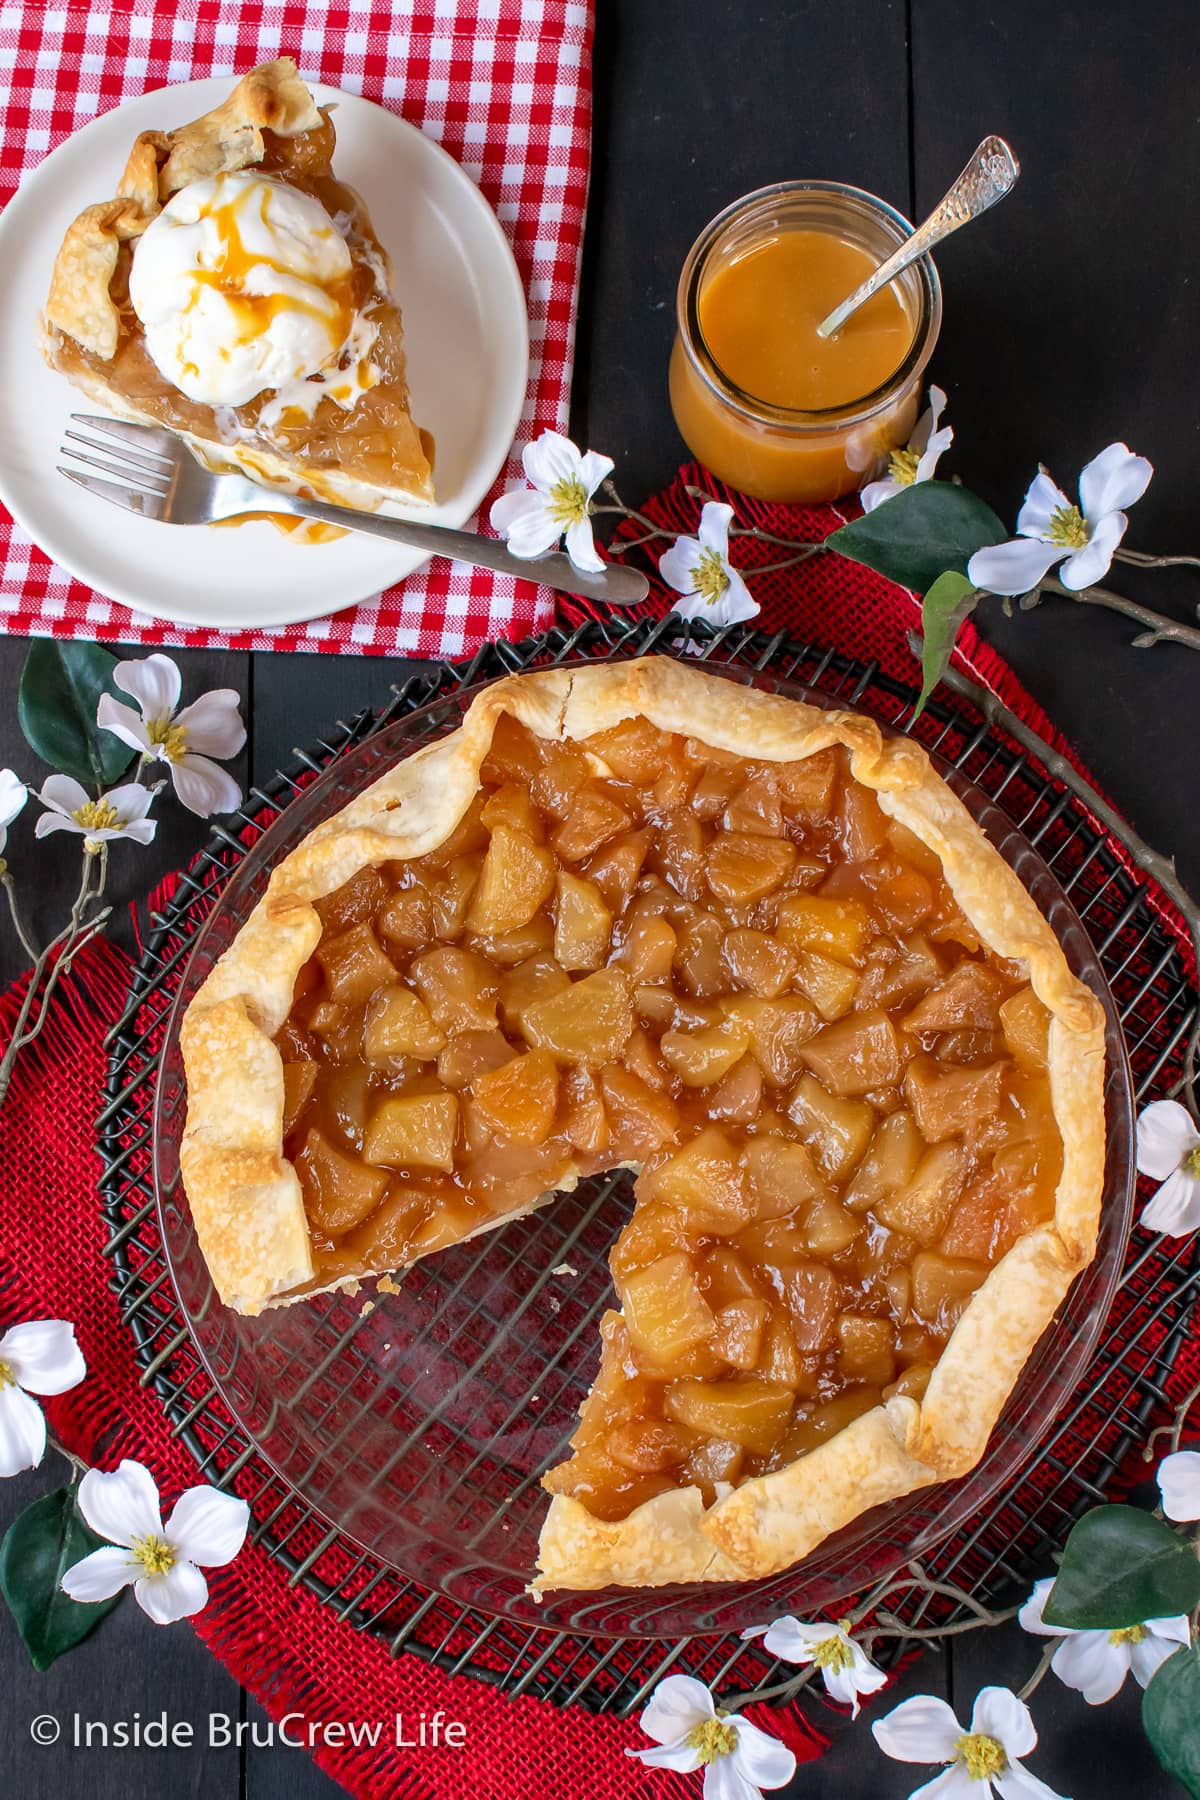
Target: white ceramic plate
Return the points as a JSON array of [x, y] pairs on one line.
[[466, 336]]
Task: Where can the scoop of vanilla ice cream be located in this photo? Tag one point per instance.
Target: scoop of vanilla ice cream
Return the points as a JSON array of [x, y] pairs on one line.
[[240, 285]]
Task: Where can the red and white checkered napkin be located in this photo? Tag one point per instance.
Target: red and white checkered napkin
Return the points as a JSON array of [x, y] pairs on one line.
[[503, 85]]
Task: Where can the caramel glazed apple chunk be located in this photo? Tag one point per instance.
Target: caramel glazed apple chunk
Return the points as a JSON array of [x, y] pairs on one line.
[[746, 977]]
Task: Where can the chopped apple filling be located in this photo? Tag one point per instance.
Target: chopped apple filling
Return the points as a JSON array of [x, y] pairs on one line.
[[398, 1023], [746, 983], [582, 924], [830, 985]]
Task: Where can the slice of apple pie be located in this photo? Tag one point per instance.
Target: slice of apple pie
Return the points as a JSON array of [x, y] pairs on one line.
[[234, 291], [632, 915]]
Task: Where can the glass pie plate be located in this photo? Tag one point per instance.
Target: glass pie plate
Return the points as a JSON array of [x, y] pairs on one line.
[[418, 1422]]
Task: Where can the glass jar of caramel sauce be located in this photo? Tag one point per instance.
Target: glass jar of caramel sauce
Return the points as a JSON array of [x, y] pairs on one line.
[[758, 397]]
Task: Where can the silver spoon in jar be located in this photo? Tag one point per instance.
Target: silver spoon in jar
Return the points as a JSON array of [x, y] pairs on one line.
[[990, 174]]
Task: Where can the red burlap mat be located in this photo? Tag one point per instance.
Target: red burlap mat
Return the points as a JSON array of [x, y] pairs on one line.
[[289, 1650]]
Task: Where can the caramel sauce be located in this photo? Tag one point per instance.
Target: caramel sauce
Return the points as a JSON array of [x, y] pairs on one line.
[[761, 399], [256, 312], [759, 315], [304, 531], [742, 979]]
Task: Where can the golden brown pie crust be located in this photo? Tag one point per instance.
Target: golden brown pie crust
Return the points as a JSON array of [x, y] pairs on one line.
[[246, 1199], [80, 306]]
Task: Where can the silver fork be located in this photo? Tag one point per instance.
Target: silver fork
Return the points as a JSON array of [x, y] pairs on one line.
[[152, 472]]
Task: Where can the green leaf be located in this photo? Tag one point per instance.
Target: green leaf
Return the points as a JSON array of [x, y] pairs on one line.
[[1171, 1716], [949, 601], [40, 1545], [1120, 1567], [919, 533], [61, 685]]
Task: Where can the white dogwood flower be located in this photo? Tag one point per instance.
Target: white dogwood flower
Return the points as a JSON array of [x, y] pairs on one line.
[[39, 1356], [919, 458], [13, 795], [846, 1669], [186, 741], [1097, 1662], [1179, 1484], [1168, 1151], [699, 570], [738, 1759], [557, 502], [159, 1561], [119, 813], [1052, 529], [982, 1760]]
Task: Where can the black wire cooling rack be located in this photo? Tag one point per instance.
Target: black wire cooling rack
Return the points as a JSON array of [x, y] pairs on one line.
[[1110, 1414]]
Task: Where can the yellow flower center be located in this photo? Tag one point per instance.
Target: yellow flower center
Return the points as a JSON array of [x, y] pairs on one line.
[[902, 466], [154, 1553], [712, 1739], [834, 1653], [710, 577], [1131, 1634], [1191, 1161], [97, 815], [1067, 528], [7, 1378], [984, 1756], [568, 501], [170, 739]]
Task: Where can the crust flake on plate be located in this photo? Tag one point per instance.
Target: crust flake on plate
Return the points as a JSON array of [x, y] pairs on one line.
[[246, 1200]]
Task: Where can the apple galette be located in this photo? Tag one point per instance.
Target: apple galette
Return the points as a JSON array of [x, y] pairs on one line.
[[634, 915]]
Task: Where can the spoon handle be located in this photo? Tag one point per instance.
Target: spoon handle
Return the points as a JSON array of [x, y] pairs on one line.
[[989, 175]]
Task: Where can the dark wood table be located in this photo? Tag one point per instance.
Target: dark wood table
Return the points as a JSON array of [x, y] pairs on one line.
[[1072, 318]]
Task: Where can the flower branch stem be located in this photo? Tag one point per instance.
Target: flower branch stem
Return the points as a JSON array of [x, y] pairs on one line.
[[946, 1589], [1181, 1413], [10, 894], [68, 942], [629, 512], [79, 933], [651, 531], [1142, 559], [1159, 628], [781, 1690], [20, 1037], [67, 958], [871, 1600], [789, 562], [1043, 1665], [101, 860], [647, 537], [892, 1627], [78, 1466], [1176, 1428], [751, 531]]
